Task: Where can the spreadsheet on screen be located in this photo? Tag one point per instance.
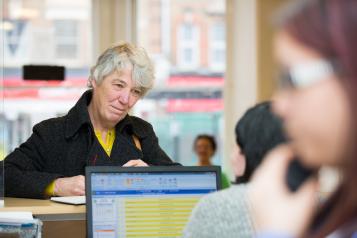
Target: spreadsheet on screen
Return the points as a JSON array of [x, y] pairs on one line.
[[156, 204]]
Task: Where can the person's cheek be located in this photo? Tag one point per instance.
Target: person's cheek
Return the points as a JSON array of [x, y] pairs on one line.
[[235, 162], [239, 164]]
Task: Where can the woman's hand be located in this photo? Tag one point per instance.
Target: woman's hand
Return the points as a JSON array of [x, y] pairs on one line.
[[274, 207], [70, 186], [135, 163]]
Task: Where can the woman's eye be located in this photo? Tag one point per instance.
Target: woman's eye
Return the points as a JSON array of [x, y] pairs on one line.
[[119, 85], [136, 92]]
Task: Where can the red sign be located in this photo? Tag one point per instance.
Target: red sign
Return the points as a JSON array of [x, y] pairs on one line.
[[195, 105]]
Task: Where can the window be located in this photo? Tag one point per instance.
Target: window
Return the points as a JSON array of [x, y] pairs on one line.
[[50, 32], [188, 47], [187, 97], [218, 32], [66, 38], [188, 55], [15, 29], [217, 47], [187, 32]]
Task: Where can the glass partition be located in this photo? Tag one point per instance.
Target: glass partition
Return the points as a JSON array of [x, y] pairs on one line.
[[186, 40], [44, 32], [2, 150]]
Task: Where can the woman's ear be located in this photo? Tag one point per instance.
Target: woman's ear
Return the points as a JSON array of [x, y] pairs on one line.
[[93, 83], [238, 162], [243, 162]]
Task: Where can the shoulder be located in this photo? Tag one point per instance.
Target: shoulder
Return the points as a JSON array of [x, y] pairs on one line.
[[224, 211], [139, 122], [219, 203], [232, 194], [141, 127], [50, 126]]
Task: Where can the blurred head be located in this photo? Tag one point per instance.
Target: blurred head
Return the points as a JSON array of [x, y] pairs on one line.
[[315, 46], [311, 47], [205, 147], [314, 104], [257, 132], [123, 74]]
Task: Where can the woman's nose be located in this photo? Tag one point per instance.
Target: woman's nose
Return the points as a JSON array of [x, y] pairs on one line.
[[124, 96]]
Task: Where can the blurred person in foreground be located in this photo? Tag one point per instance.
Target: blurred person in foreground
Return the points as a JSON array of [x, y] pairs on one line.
[[205, 147], [97, 131], [226, 213], [316, 47]]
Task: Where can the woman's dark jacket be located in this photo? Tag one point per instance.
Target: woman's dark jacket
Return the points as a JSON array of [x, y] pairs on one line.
[[63, 146]]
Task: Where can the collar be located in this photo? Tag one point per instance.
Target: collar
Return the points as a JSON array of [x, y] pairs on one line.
[[79, 116], [132, 125]]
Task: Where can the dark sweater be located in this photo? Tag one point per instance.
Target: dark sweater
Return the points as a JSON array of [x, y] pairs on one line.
[[63, 146]]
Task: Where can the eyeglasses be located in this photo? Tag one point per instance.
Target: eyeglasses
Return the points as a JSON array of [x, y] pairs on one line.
[[306, 74]]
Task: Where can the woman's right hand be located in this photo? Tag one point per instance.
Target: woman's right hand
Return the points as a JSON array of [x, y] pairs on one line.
[[70, 186], [275, 208]]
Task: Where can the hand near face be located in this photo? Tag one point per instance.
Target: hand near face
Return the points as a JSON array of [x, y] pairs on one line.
[[274, 207], [70, 186], [135, 163]]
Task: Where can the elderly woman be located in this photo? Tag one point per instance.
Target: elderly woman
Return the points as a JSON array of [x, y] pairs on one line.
[[96, 131]]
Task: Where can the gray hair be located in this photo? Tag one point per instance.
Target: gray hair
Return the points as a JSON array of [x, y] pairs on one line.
[[122, 56]]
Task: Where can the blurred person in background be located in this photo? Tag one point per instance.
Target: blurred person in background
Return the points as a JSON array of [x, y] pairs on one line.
[[205, 147], [97, 131], [316, 47], [226, 213]]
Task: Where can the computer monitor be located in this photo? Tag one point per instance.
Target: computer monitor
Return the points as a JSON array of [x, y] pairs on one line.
[[145, 201]]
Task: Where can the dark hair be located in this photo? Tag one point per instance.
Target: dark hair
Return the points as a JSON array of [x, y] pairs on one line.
[[257, 132], [330, 28], [206, 137]]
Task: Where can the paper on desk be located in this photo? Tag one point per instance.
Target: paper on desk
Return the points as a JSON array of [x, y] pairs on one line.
[[16, 217], [74, 200]]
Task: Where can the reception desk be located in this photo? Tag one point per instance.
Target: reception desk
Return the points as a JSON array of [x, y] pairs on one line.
[[59, 220]]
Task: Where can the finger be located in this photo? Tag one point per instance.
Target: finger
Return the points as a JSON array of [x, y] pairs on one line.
[[82, 192], [277, 161], [141, 164], [77, 181], [78, 185], [308, 190], [306, 196], [81, 180], [130, 163], [81, 185], [78, 192]]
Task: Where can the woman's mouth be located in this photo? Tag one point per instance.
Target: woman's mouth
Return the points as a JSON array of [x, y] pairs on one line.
[[118, 109]]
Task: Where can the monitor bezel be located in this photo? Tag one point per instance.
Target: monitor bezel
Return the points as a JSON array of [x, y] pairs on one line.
[[151, 169]]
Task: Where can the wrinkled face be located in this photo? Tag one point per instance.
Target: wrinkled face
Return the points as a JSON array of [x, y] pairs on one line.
[[238, 161], [115, 96], [204, 149], [316, 115]]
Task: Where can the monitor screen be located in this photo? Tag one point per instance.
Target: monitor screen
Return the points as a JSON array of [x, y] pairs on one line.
[[146, 204]]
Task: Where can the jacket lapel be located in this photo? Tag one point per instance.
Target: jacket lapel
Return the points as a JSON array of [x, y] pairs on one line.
[[124, 150]]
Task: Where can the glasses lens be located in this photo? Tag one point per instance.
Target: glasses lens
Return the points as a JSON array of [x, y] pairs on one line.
[[306, 74], [285, 80]]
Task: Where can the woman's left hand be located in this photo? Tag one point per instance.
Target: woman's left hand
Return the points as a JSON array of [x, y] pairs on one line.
[[135, 163], [274, 207]]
